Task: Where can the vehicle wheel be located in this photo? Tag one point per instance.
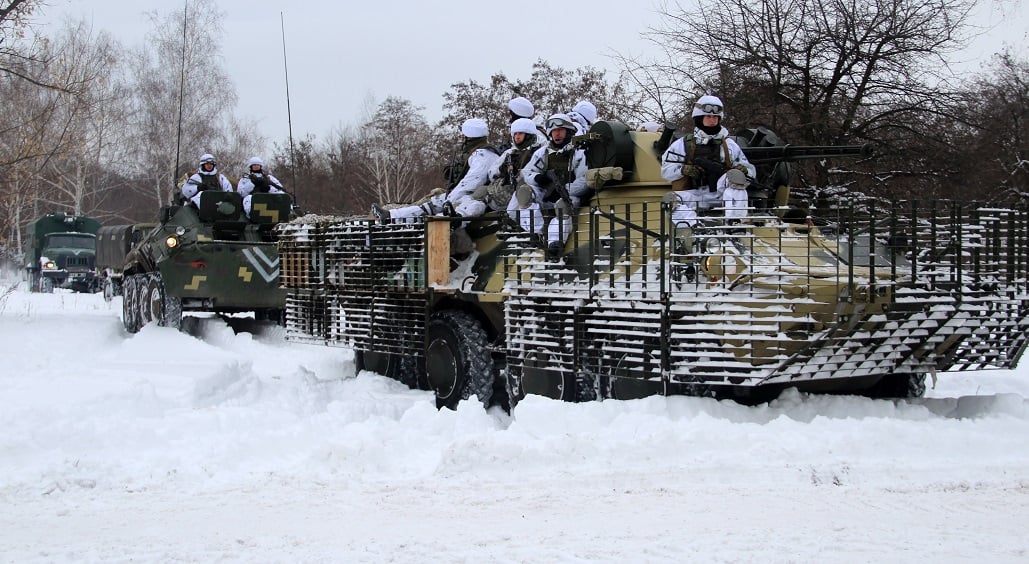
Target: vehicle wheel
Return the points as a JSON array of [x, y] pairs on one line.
[[157, 306], [46, 285], [457, 360], [278, 316], [130, 304], [145, 298], [108, 287], [587, 386], [898, 386]]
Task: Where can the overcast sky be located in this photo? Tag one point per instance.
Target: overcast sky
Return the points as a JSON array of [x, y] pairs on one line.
[[339, 54]]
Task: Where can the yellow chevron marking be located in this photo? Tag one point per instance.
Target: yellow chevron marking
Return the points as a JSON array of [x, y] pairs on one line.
[[262, 209], [245, 274], [195, 284]]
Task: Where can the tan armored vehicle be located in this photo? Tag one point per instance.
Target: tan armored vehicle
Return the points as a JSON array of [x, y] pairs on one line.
[[868, 298]]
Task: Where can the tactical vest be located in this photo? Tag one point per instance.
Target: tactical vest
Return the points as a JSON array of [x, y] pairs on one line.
[[520, 158], [209, 182], [261, 183], [557, 162], [709, 151]]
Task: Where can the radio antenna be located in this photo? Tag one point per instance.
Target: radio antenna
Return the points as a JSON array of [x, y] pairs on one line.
[[182, 91], [289, 115]]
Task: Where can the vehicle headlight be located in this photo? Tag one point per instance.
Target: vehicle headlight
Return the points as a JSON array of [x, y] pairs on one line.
[[171, 242], [712, 244], [49, 265], [180, 231]]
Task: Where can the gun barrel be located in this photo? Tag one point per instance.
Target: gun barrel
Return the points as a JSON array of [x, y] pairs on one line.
[[789, 153]]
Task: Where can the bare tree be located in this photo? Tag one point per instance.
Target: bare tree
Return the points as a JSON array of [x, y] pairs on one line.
[[54, 139], [551, 90], [92, 120], [818, 72], [399, 144], [180, 55], [994, 142], [23, 55]]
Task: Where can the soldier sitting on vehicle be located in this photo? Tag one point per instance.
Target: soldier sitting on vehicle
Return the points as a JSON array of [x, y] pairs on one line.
[[257, 181], [584, 114], [555, 181], [696, 165], [206, 177], [465, 176], [506, 173]]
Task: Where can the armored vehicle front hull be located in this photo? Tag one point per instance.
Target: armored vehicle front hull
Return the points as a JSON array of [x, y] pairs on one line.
[[211, 259]]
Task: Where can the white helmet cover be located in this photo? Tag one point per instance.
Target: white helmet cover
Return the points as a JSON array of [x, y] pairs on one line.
[[561, 120], [474, 127], [586, 110], [521, 107], [523, 125], [709, 106]]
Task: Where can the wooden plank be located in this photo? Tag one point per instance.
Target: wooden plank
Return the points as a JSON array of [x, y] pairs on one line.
[[437, 243]]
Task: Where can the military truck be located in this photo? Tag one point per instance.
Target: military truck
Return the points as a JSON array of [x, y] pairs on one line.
[[113, 244], [869, 297], [62, 253], [211, 258]]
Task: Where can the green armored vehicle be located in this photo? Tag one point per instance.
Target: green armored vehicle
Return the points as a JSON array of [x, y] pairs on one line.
[[62, 253], [868, 297], [211, 258]]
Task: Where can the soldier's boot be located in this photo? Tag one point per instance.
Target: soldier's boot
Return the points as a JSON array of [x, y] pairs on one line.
[[554, 250], [380, 213]]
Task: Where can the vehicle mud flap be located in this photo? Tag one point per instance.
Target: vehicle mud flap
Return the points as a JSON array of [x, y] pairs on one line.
[[626, 375], [406, 369], [633, 388], [458, 362], [543, 376]]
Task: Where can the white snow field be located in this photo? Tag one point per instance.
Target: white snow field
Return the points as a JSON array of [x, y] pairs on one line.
[[242, 447]]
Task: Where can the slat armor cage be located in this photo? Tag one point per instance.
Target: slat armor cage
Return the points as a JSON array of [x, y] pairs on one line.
[[864, 290]]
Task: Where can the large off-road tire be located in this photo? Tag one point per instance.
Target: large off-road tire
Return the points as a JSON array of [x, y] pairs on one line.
[[898, 386], [130, 304], [458, 362], [156, 305], [107, 285]]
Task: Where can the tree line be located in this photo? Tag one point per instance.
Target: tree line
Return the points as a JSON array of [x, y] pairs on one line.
[[89, 126]]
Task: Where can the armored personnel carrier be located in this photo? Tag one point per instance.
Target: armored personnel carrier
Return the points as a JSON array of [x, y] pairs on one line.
[[211, 258], [869, 297], [62, 253]]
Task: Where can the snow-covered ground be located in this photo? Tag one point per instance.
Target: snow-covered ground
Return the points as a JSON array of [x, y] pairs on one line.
[[226, 447]]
